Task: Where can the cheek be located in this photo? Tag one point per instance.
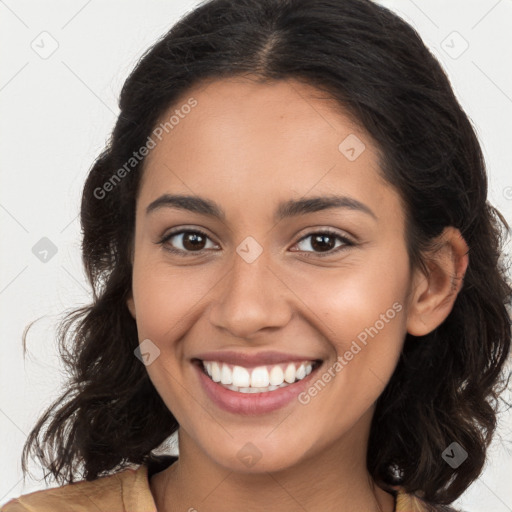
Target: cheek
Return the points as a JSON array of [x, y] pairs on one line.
[[165, 298], [354, 296], [360, 310], [164, 302]]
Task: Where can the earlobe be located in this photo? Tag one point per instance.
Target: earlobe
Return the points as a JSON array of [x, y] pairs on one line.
[[434, 294]]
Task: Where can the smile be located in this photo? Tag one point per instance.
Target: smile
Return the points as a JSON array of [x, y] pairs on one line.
[[250, 383], [260, 379]]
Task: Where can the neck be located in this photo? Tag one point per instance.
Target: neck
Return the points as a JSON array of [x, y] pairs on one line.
[[333, 480]]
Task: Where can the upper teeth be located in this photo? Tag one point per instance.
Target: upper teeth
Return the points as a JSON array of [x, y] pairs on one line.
[[271, 377]]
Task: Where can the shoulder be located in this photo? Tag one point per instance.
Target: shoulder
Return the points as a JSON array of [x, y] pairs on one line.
[[410, 503], [125, 491]]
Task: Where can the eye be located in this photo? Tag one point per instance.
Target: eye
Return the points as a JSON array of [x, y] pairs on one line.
[[324, 242], [188, 241]]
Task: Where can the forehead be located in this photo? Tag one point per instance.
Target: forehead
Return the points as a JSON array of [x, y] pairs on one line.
[[260, 142]]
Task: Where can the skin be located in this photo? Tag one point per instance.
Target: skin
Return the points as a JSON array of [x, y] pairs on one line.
[[248, 146]]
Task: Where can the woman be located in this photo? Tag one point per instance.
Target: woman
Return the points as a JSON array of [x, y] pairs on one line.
[[294, 266]]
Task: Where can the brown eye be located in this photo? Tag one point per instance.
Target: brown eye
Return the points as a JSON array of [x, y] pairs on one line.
[[192, 241], [186, 241], [323, 243]]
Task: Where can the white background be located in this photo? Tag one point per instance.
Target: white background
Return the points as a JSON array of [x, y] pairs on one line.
[[57, 114]]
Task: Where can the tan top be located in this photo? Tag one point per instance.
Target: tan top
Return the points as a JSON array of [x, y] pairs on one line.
[[126, 491]]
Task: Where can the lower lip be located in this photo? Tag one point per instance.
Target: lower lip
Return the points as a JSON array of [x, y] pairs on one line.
[[251, 404]]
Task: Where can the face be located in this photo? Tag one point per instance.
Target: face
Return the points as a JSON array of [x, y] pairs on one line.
[[274, 279]]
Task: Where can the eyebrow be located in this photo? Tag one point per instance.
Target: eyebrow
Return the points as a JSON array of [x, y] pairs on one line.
[[285, 209]]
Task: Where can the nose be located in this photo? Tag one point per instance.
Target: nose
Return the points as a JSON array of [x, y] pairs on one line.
[[250, 298]]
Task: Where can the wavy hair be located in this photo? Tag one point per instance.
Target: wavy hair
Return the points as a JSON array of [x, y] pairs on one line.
[[447, 384]]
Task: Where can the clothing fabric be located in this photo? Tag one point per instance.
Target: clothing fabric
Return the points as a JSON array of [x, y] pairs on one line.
[[128, 491]]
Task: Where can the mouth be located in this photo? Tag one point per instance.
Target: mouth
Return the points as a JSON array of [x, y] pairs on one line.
[[258, 379], [254, 383]]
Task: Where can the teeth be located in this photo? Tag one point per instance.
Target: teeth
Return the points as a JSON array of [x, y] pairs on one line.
[[260, 377], [215, 372], [241, 377], [258, 380], [276, 376], [255, 390], [289, 374], [225, 375]]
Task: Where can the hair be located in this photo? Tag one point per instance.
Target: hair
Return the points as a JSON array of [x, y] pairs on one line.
[[447, 384]]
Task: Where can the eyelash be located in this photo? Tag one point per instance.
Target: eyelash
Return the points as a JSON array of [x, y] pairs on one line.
[[346, 241]]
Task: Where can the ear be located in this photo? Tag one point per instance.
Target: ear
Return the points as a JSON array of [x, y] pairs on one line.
[[131, 304], [433, 295]]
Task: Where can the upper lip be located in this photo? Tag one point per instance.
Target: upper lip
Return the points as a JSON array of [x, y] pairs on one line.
[[252, 359]]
